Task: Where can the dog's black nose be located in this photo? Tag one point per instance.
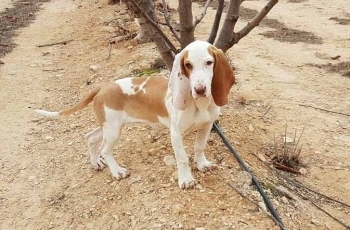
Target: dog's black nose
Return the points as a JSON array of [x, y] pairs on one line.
[[200, 89]]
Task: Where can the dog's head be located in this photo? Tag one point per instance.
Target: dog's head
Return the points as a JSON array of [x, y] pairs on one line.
[[201, 70]]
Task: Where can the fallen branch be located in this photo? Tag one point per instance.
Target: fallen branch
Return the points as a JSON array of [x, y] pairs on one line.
[[155, 26], [56, 43], [3, 44], [253, 202], [325, 110], [204, 12]]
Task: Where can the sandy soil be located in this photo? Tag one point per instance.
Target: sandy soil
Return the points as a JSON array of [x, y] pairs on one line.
[[46, 178]]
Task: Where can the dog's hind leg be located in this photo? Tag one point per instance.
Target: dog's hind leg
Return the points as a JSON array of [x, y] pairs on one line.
[[94, 139], [111, 133]]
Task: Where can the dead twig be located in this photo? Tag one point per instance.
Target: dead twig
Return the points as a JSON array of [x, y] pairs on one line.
[[110, 49], [330, 215], [167, 20], [325, 110], [256, 204], [3, 44], [155, 26], [56, 43], [201, 16], [265, 112]]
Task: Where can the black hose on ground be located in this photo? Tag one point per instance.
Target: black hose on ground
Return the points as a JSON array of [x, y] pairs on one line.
[[255, 181]]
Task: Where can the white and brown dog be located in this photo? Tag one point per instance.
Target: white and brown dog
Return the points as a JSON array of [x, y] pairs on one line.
[[189, 101]]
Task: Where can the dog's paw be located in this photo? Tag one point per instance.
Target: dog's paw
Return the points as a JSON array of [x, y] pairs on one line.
[[205, 166], [120, 173], [98, 163], [187, 183]]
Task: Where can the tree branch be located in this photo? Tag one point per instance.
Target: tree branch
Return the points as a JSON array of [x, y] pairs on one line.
[[232, 15], [204, 11], [167, 19], [215, 27], [186, 23], [155, 26], [253, 23]]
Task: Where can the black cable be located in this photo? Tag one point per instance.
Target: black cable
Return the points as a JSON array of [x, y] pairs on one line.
[[255, 181]]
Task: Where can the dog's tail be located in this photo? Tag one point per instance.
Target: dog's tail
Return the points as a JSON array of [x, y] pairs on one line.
[[80, 105]]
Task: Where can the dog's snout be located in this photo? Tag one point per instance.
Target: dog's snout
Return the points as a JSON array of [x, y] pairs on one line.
[[200, 89]]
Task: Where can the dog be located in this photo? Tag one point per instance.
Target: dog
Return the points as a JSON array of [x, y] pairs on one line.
[[190, 100]]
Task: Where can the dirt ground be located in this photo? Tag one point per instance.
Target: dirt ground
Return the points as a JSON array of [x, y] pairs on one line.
[[286, 68]]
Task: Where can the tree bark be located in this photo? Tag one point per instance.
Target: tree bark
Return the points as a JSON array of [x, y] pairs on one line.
[[186, 23]]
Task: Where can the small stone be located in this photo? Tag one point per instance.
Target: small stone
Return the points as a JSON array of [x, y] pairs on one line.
[[198, 186], [169, 160], [94, 68], [177, 208], [134, 179], [262, 206], [285, 200], [251, 129], [303, 171], [288, 139], [199, 228], [49, 138]]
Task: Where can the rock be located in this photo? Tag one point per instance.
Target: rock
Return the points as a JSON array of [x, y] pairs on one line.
[[251, 129], [169, 160], [199, 228], [303, 171], [243, 178]]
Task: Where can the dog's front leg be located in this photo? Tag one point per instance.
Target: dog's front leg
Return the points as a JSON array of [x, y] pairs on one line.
[[185, 178], [202, 163]]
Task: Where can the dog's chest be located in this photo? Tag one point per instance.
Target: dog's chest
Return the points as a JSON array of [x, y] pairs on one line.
[[198, 117]]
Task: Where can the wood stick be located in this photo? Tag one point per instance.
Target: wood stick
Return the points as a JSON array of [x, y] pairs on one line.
[[56, 43], [285, 168], [325, 110]]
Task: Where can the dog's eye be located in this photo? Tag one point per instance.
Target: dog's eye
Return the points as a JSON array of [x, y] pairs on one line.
[[209, 62], [188, 65]]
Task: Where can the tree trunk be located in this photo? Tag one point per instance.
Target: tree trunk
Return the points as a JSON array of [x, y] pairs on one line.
[[148, 8], [186, 23], [226, 34]]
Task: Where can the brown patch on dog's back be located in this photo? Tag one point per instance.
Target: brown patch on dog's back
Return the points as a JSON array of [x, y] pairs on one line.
[[145, 106]]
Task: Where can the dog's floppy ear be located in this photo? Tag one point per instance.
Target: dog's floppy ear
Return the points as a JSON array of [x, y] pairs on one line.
[[179, 85], [223, 77]]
